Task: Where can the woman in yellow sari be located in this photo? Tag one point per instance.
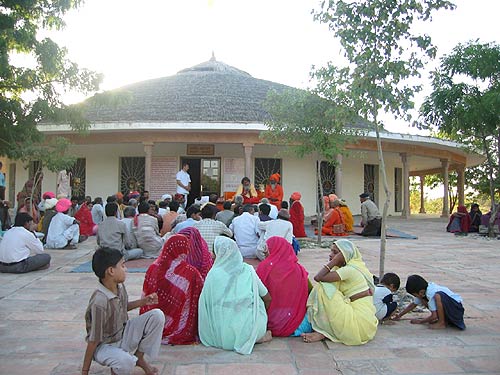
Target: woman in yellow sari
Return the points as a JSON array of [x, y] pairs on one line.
[[340, 307]]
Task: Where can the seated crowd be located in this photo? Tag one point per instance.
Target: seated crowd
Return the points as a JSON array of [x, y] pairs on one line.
[[200, 288]]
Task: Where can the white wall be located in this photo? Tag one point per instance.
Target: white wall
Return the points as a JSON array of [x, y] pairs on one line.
[[102, 167]]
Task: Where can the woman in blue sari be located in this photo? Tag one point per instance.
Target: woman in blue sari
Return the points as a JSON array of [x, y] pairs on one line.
[[232, 305]]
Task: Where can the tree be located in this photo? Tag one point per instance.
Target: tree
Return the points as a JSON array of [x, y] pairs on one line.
[[435, 180], [30, 91], [383, 52], [308, 124], [465, 106]]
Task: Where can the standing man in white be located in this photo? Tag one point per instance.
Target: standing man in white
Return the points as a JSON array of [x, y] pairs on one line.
[[183, 180]]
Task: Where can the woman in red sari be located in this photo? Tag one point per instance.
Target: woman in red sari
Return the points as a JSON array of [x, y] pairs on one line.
[[199, 256], [459, 221], [178, 285], [281, 273], [274, 191], [84, 216], [297, 215]]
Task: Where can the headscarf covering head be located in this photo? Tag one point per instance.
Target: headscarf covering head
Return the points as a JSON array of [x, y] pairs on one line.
[[50, 203], [166, 196], [63, 205], [275, 177], [119, 195], [199, 256], [177, 246], [48, 195], [352, 257], [332, 197], [227, 255], [462, 209], [296, 196]]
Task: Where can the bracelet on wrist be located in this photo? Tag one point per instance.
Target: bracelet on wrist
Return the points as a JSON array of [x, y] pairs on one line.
[[328, 268]]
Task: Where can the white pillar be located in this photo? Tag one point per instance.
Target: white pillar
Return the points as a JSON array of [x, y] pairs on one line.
[[446, 205], [248, 160], [406, 186], [338, 176], [148, 150], [422, 197]]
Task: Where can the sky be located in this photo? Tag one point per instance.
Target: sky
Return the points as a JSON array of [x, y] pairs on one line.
[[277, 40]]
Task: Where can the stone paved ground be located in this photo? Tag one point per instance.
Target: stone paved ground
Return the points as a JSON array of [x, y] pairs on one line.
[[42, 328]]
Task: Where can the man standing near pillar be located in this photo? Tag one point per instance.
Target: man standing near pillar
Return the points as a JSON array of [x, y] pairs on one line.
[[371, 220], [183, 180]]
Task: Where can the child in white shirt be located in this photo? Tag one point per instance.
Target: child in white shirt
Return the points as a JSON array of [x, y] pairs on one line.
[[383, 298]]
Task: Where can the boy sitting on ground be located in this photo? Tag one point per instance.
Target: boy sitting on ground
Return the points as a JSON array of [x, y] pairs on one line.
[[111, 337], [445, 306], [382, 297]]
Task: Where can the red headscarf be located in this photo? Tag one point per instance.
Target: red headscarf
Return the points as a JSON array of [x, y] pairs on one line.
[[178, 285], [286, 281], [199, 256]]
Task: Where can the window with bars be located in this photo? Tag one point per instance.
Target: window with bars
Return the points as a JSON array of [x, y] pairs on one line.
[[371, 181], [78, 172], [327, 172], [264, 168], [132, 174]]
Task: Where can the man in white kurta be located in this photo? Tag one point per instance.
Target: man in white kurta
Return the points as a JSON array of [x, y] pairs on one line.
[[280, 227], [64, 230], [17, 245], [183, 181], [246, 231]]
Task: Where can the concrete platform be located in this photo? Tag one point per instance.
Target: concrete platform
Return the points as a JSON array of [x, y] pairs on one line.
[[42, 326]]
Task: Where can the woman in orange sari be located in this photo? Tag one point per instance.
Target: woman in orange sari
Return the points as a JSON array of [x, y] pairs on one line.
[[335, 226], [348, 219]]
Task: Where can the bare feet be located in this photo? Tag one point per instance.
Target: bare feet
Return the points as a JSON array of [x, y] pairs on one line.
[[437, 325], [148, 369], [388, 322], [312, 337], [266, 338]]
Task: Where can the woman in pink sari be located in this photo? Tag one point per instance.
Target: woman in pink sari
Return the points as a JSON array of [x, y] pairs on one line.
[[178, 285], [199, 256], [281, 273]]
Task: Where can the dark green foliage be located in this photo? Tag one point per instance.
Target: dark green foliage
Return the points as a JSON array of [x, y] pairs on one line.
[[29, 91], [465, 106]]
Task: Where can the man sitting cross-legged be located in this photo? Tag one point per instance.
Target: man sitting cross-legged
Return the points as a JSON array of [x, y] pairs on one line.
[[16, 245], [113, 233]]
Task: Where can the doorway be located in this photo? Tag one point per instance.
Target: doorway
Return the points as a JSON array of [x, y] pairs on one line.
[[205, 177]]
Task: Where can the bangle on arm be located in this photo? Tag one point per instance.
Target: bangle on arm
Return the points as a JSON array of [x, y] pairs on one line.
[[328, 268]]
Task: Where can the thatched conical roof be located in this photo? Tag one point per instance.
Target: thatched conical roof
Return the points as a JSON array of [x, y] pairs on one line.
[[208, 92]]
